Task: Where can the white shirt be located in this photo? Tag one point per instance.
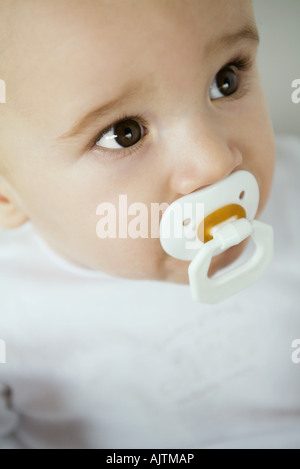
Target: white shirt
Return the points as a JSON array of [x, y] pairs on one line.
[[99, 362]]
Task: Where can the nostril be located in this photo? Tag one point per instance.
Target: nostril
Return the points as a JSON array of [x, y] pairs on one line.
[[186, 222], [3, 199], [242, 195]]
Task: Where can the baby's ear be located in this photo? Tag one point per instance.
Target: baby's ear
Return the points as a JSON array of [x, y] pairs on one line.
[[11, 214]]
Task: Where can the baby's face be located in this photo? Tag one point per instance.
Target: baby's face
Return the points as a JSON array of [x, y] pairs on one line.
[[152, 99]]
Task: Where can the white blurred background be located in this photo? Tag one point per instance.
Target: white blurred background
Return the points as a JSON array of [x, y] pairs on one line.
[[278, 22]]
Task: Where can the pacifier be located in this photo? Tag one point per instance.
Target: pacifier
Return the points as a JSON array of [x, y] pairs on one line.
[[207, 222]]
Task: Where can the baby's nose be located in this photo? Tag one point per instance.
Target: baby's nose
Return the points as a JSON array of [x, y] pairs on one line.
[[204, 161]]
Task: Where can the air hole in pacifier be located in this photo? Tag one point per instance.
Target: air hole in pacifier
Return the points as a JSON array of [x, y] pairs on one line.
[[242, 195], [186, 222]]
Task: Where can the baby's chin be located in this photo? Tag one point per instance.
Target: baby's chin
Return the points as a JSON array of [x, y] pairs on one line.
[[162, 268], [176, 271]]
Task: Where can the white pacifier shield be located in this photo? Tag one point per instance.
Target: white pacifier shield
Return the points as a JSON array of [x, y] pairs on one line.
[[205, 223], [180, 222]]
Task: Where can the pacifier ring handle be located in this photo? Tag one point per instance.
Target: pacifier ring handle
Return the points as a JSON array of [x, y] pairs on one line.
[[213, 290]]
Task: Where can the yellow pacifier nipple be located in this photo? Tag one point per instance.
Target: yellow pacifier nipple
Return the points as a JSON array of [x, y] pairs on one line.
[[217, 218]]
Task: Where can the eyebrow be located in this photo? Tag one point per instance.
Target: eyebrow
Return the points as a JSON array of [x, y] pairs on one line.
[[248, 33], [100, 112]]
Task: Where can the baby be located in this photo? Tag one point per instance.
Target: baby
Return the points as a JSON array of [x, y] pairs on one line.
[[181, 75], [153, 99]]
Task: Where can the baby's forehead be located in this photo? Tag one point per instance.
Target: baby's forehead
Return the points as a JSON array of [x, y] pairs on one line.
[[25, 18], [51, 33], [66, 51]]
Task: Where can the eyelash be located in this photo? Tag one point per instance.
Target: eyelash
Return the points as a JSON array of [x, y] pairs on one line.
[[242, 63], [126, 151]]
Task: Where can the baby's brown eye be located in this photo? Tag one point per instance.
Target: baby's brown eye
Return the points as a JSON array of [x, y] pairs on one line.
[[121, 135], [128, 133], [225, 83]]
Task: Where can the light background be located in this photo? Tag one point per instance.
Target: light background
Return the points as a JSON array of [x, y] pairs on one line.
[[278, 22]]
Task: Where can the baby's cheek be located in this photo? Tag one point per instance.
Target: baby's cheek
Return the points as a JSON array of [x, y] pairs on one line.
[[145, 257], [267, 171], [260, 158], [128, 258]]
